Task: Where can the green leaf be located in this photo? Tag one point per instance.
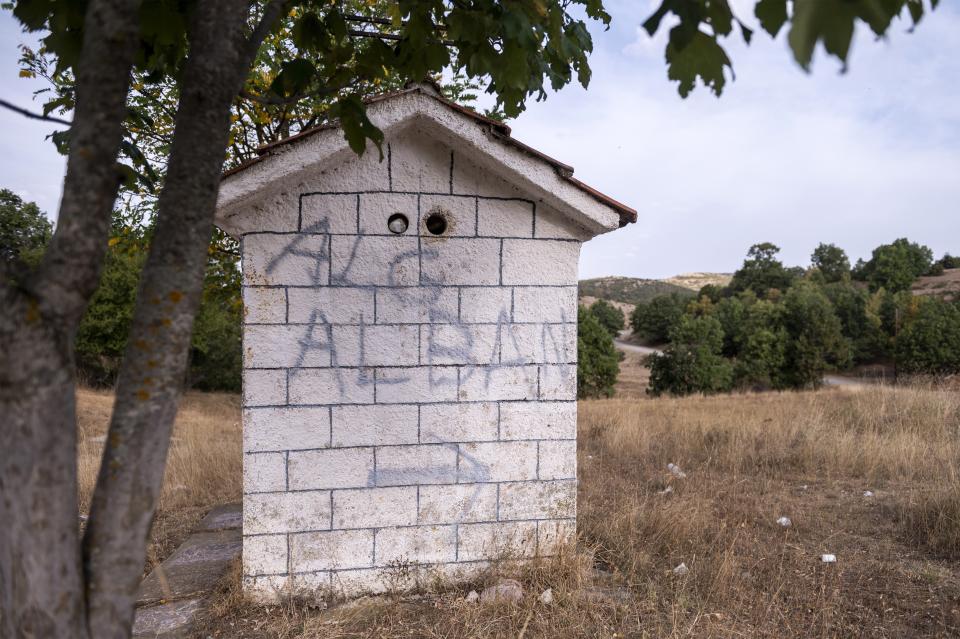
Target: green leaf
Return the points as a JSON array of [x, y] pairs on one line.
[[772, 15], [701, 57], [814, 20], [308, 32], [294, 77]]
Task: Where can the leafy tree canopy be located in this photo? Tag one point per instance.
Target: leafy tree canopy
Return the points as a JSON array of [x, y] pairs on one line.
[[694, 50], [831, 262], [895, 266], [24, 229], [762, 271]]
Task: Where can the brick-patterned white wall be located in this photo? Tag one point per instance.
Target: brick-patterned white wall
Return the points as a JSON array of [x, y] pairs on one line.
[[409, 400]]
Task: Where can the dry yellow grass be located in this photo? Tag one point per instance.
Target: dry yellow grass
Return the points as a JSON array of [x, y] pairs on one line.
[[749, 460], [204, 465]]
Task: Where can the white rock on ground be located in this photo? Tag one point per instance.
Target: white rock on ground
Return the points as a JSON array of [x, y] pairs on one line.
[[828, 559], [868, 493], [504, 590], [546, 597], [676, 472], [681, 569], [785, 522], [472, 597]]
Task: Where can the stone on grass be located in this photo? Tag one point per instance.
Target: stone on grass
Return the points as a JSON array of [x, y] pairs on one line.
[[504, 590], [868, 493], [546, 597], [828, 558], [681, 569], [472, 597], [676, 472], [785, 522]]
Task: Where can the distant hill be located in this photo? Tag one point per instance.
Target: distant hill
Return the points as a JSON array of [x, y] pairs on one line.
[[628, 290], [696, 281]]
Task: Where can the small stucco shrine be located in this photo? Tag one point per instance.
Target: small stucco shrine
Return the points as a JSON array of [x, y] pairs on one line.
[[409, 347]]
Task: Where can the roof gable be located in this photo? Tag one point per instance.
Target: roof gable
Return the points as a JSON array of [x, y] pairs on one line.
[[285, 166]]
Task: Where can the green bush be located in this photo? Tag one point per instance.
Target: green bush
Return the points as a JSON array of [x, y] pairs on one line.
[[692, 363], [598, 362], [609, 316], [930, 340], [654, 320]]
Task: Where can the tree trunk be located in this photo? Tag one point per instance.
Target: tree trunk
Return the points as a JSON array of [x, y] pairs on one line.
[[154, 365], [41, 582]]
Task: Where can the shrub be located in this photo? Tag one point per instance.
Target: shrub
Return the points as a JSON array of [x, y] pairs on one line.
[[598, 362], [692, 362], [609, 316], [654, 320], [930, 339]]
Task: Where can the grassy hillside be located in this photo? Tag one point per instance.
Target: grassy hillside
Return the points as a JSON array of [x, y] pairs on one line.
[[628, 290], [946, 285]]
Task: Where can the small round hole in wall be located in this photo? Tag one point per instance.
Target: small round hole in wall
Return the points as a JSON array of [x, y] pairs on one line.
[[436, 223], [397, 223]]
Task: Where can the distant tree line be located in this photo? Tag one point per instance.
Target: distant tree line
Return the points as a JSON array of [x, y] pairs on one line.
[[778, 327], [215, 354]]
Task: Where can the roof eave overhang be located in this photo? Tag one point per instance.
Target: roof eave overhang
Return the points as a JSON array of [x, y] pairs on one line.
[[487, 141]]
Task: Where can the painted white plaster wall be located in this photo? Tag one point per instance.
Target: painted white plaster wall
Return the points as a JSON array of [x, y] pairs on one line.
[[409, 400]]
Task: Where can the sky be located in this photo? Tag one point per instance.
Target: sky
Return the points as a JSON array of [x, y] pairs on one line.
[[856, 159]]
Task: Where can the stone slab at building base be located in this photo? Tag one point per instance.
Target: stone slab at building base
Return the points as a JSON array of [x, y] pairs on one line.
[[410, 346]]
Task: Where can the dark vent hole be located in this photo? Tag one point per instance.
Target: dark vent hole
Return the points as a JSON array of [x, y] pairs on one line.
[[436, 224]]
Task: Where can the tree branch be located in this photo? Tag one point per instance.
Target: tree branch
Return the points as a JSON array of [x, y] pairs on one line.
[[32, 115]]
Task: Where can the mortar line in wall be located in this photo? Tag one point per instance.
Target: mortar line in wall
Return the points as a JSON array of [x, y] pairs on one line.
[[451, 172], [456, 541], [330, 421], [286, 470], [330, 259], [533, 231], [419, 439], [387, 446], [358, 215], [513, 290], [538, 384], [331, 510], [459, 304], [525, 520], [365, 287], [300, 212], [456, 477], [289, 560], [436, 403], [476, 216], [389, 167], [419, 245], [375, 386], [419, 344], [499, 198], [374, 557], [498, 501], [386, 324], [418, 505], [499, 417], [287, 385], [455, 237], [501, 263], [538, 459], [375, 478]]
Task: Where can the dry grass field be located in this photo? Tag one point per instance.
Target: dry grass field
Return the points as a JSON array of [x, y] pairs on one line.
[[749, 460], [203, 466]]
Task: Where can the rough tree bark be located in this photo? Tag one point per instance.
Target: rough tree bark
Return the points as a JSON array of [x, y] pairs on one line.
[[154, 365], [41, 593]]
